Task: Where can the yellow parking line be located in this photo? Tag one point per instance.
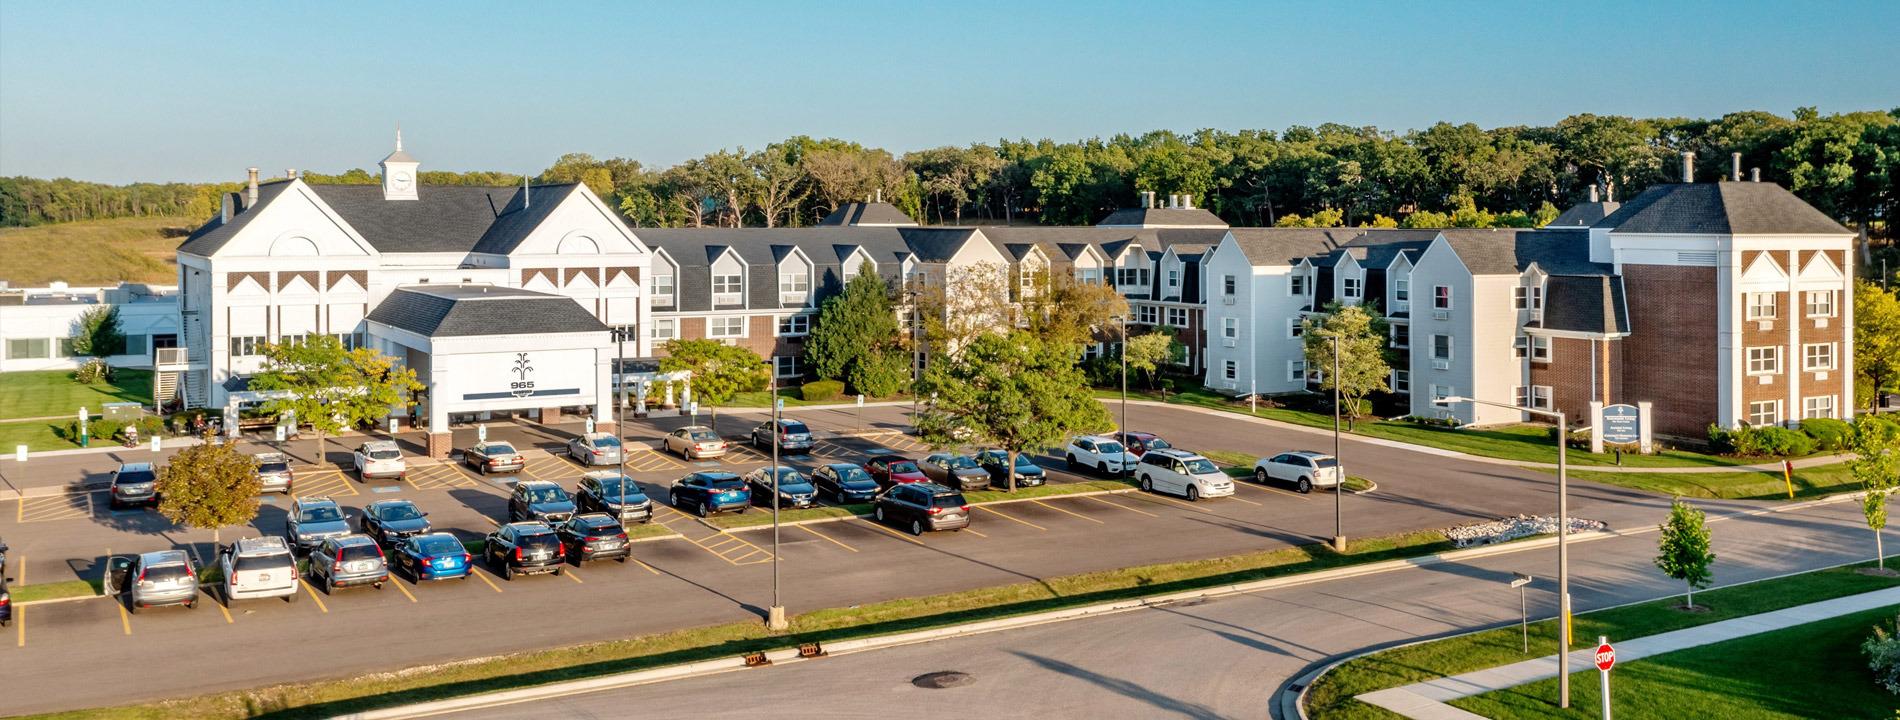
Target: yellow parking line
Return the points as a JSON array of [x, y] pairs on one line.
[[1237, 498], [875, 524], [1011, 517], [396, 581], [225, 610], [1065, 512], [576, 576], [125, 618], [484, 578], [1158, 496], [1124, 507], [314, 596], [648, 567], [973, 532], [827, 537]]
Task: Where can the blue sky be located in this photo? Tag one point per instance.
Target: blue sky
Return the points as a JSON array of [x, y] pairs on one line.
[[151, 91]]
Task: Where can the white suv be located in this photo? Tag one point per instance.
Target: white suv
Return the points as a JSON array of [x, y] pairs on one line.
[[259, 567], [1305, 469], [379, 458], [1180, 472], [1105, 455]]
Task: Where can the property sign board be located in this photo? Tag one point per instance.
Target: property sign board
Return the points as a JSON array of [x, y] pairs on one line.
[[1622, 424], [522, 375]]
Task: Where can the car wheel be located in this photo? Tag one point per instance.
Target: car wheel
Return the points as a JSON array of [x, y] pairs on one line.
[[916, 527], [1305, 485], [558, 570], [703, 510], [880, 513], [743, 509], [1071, 462], [329, 588], [1102, 468], [1147, 485], [622, 559], [508, 572], [1193, 494], [191, 604], [1260, 475], [378, 586]]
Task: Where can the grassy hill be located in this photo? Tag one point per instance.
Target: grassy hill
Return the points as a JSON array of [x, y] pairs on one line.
[[94, 252]]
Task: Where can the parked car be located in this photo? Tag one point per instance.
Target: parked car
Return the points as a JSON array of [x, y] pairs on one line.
[[314, 520], [134, 484], [392, 521], [595, 449], [541, 500], [794, 491], [348, 561], [1179, 472], [523, 548], [1028, 473], [957, 471], [492, 457], [695, 442], [1305, 469], [6, 602], [1104, 455], [1139, 443], [594, 536], [923, 506], [844, 483], [791, 435], [379, 459], [259, 567], [710, 492], [892, 470], [273, 472], [153, 579], [436, 556], [600, 491]]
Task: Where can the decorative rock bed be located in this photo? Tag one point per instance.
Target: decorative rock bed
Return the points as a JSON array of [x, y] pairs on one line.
[[1508, 529]]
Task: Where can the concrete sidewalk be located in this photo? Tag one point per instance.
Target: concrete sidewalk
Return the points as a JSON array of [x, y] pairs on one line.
[[1426, 700]]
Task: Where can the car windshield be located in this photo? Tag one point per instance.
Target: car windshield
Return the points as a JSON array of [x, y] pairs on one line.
[[1200, 466], [137, 476], [1326, 462], [1156, 444], [786, 475], [320, 514], [851, 474], [364, 551], [385, 454], [546, 495], [439, 546], [166, 573], [959, 463], [606, 442], [703, 436], [795, 427], [273, 467], [500, 449], [1108, 448], [404, 511], [610, 488], [264, 562], [904, 467], [726, 483]]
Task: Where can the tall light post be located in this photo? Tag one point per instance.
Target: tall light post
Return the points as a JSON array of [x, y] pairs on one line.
[[775, 618], [1126, 470], [1339, 468], [916, 370], [1563, 534]]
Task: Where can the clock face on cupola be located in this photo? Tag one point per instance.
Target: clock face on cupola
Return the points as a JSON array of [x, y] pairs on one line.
[[399, 173]]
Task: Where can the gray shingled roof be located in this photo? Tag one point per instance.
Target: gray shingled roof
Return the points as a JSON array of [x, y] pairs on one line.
[[1504, 251], [871, 214], [762, 248], [1583, 215], [1584, 303], [936, 244], [1162, 218], [443, 218], [1267, 246], [463, 310], [211, 236], [1378, 247], [1720, 208]]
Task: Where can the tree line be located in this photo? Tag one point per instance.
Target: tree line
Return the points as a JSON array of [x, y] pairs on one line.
[[1846, 164]]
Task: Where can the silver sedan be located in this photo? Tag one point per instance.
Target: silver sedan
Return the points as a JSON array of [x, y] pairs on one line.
[[595, 449]]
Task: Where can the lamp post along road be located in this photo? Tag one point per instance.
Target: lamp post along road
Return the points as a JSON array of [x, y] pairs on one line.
[[1127, 471], [916, 369], [775, 618], [1339, 467], [1563, 535]]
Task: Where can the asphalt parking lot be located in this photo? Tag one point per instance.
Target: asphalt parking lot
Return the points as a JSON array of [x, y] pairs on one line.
[[703, 576]]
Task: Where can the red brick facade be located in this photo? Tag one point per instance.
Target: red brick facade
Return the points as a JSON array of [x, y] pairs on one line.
[[1578, 372], [1671, 357]]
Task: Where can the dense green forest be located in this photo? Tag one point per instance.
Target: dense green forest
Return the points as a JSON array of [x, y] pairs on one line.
[[1846, 164]]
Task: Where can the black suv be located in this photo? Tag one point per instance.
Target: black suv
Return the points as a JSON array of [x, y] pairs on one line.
[[541, 500], [523, 547], [844, 483], [594, 536], [389, 521], [923, 506], [600, 491]]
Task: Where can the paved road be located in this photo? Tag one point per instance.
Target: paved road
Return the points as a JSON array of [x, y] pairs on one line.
[[1223, 658], [705, 578]]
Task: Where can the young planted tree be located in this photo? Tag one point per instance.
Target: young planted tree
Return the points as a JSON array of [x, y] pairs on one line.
[[855, 326], [1365, 363], [208, 485], [1683, 552], [1147, 352], [1876, 464], [720, 371], [98, 332], [1013, 391], [318, 382]]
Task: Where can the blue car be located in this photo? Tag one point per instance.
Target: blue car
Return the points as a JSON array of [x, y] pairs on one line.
[[793, 491], [437, 556], [710, 492]]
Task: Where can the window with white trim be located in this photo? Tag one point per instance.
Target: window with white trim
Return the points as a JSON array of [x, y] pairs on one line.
[[1230, 328], [725, 284], [1818, 407], [1820, 303], [1520, 396], [1229, 369], [1146, 315], [725, 327], [1540, 348], [663, 329], [794, 325], [1441, 347], [1174, 278], [1401, 335], [1177, 317], [1093, 276], [795, 281], [1441, 297], [1296, 284], [1227, 284], [660, 285], [1401, 290], [1764, 360], [1353, 288], [1761, 306], [1440, 392], [1521, 347], [1819, 356], [1402, 382], [247, 345], [787, 366], [1540, 397], [1764, 413], [1296, 370], [1520, 298], [1295, 327]]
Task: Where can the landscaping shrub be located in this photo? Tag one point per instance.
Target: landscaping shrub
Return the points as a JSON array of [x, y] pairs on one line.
[[151, 426], [1883, 657], [1103, 371], [1763, 441], [822, 390], [95, 370], [1828, 433], [1450, 422]]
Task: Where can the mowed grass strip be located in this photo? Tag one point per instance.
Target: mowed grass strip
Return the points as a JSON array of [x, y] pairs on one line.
[[1332, 696], [1741, 485], [763, 516], [54, 393], [95, 252], [422, 684], [1814, 670]]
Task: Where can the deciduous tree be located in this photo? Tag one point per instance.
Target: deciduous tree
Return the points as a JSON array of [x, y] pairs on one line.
[[720, 371], [97, 332], [1365, 363], [1010, 390], [208, 486], [317, 381], [1683, 550], [1876, 341], [1876, 464], [853, 324]]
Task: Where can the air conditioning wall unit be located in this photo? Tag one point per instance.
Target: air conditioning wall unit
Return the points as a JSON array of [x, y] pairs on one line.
[[1230, 342], [1765, 325], [1227, 300], [1441, 315], [1402, 306], [1441, 365], [1820, 322]]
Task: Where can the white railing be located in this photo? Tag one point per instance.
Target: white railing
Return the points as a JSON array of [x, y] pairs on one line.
[[170, 356]]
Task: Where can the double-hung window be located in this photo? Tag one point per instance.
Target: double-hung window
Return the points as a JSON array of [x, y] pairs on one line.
[[1227, 284], [725, 327], [1818, 407], [1540, 348], [1820, 303], [1174, 278], [794, 325], [727, 285], [1296, 284], [1401, 335], [793, 282], [1540, 397], [1521, 347], [1177, 317], [1402, 382], [1764, 360], [788, 366], [1353, 288], [1761, 306], [1441, 297], [1401, 290], [1441, 347], [1817, 357], [1295, 370], [1230, 370], [1520, 396], [663, 329], [660, 286], [1764, 413], [1230, 328], [1146, 315], [1295, 327]]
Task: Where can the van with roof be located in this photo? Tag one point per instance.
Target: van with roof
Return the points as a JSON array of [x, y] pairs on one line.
[[259, 567]]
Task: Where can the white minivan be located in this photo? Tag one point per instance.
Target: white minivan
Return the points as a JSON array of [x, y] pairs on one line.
[[1179, 472], [259, 567]]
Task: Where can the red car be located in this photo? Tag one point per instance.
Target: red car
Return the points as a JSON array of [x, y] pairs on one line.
[[893, 470], [1141, 442]]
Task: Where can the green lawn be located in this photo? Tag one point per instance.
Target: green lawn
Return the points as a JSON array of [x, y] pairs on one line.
[[1741, 485], [1524, 443], [95, 252], [49, 393], [1331, 698], [1807, 671], [36, 435]]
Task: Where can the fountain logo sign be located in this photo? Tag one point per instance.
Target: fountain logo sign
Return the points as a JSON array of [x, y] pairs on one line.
[[522, 386]]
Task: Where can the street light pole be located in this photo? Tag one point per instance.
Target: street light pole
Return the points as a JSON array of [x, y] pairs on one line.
[[1126, 470], [916, 370], [1563, 535], [775, 618], [1339, 468]]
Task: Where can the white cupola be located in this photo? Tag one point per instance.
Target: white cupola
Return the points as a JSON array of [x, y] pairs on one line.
[[399, 173]]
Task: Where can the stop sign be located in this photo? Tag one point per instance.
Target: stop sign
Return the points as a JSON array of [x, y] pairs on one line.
[[1606, 657]]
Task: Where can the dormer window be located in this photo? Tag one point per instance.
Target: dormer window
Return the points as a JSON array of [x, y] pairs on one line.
[[1352, 288], [1174, 278], [728, 289], [1527, 298], [794, 282], [661, 288]]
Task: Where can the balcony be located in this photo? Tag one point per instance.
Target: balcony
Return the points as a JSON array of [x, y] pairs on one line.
[[172, 358]]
